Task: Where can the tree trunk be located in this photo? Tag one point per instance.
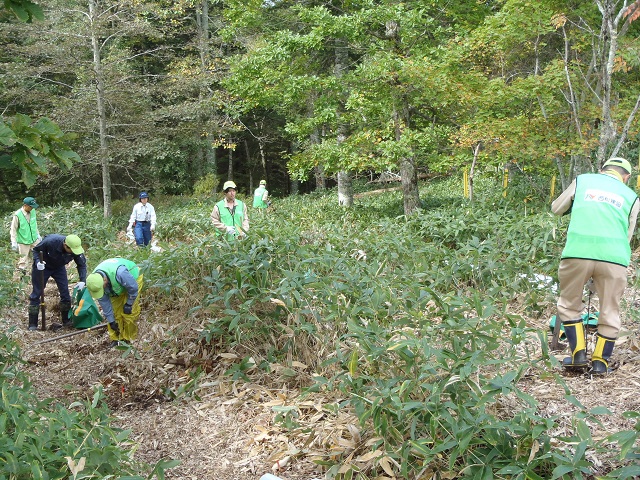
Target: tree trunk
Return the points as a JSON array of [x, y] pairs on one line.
[[345, 189], [609, 39], [102, 117], [202, 22], [230, 169], [402, 120]]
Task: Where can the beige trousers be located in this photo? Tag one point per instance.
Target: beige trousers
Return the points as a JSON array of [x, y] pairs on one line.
[[609, 280], [23, 252]]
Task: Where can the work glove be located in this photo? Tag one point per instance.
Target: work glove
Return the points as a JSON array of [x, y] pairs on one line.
[[153, 228], [115, 328], [39, 239], [40, 265], [14, 246], [80, 285], [127, 309], [130, 229], [591, 286], [231, 230]]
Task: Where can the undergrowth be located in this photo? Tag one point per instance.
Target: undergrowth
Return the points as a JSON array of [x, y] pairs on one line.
[[44, 439], [406, 321]]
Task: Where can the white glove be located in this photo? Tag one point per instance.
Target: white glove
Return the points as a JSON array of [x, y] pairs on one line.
[[80, 285], [130, 229], [231, 230], [14, 246], [153, 228], [39, 239], [40, 265], [591, 286]]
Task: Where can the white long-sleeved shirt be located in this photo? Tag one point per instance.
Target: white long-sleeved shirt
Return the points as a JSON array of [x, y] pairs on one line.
[[143, 213]]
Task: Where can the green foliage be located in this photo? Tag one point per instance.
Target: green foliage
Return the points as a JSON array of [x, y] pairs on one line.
[[206, 186], [44, 439], [25, 10], [29, 145]]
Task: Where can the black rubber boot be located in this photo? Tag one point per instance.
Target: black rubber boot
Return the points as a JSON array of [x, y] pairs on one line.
[[33, 317], [574, 331], [601, 354], [64, 315]]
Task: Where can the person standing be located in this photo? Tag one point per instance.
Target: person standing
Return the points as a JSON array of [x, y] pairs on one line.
[[50, 258], [261, 196], [142, 221], [116, 284], [24, 232], [229, 215], [603, 212]]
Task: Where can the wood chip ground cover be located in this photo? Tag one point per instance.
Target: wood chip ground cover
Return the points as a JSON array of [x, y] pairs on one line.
[[229, 431]]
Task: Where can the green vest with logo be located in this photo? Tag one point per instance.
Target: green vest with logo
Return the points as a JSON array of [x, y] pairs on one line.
[[27, 232], [257, 197], [599, 224], [110, 267], [230, 220]]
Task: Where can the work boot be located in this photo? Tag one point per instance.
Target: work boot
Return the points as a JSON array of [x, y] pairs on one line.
[[574, 331], [33, 317], [114, 327], [601, 354], [64, 315]]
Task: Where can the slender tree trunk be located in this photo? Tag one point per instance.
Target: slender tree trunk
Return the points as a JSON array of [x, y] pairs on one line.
[[202, 22], [211, 165], [102, 117], [249, 163], [408, 173], [230, 169], [609, 38], [345, 188], [401, 121]]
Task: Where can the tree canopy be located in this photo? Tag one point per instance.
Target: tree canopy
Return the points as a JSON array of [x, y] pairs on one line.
[[156, 95]]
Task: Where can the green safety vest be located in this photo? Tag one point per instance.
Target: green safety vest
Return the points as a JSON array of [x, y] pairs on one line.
[[110, 267], [257, 198], [27, 232], [599, 224], [229, 220]]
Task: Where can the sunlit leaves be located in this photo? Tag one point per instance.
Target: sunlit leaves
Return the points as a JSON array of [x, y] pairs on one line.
[[32, 145]]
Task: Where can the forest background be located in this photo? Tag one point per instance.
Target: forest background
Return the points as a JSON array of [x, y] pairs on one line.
[[159, 95]]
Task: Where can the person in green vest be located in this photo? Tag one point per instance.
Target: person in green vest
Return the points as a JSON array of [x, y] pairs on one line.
[[229, 215], [603, 218], [24, 233], [261, 196], [116, 283]]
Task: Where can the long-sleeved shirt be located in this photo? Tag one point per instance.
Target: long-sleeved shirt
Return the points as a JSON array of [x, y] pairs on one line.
[[143, 213], [563, 203], [217, 223], [15, 224], [130, 284], [51, 251]]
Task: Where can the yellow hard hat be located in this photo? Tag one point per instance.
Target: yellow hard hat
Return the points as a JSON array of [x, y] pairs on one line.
[[228, 185], [263, 182], [618, 162]]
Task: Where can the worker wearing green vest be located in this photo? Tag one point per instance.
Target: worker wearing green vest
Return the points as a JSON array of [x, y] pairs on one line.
[[261, 196], [603, 218], [229, 215], [116, 284], [24, 232]]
